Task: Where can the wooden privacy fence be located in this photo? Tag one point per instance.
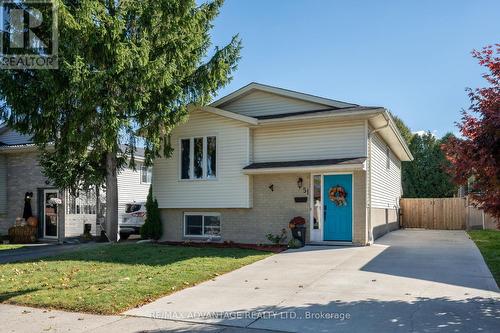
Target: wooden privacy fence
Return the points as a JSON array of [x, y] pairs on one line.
[[434, 213]]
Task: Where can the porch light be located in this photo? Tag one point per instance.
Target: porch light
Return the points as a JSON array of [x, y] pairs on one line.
[[299, 182]]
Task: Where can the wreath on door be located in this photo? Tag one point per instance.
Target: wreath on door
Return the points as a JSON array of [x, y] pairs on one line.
[[338, 195]]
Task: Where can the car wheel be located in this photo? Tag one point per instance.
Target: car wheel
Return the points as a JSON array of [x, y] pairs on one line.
[[124, 236]]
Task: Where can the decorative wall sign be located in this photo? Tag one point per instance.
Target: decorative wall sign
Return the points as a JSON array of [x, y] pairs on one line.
[[300, 199], [338, 195]]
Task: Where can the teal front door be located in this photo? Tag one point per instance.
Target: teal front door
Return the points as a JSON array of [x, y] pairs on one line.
[[337, 209]]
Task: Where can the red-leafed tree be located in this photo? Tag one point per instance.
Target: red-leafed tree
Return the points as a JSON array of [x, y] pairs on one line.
[[475, 158]]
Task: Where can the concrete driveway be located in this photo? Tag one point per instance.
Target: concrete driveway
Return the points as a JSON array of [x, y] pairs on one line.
[[409, 281]]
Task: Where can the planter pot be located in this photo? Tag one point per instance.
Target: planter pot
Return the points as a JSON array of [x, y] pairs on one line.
[[32, 221]]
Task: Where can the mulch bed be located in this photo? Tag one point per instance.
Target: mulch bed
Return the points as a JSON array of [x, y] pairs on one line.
[[259, 247]]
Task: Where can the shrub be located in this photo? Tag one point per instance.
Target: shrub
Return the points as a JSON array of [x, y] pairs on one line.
[[277, 239], [152, 227], [294, 243]]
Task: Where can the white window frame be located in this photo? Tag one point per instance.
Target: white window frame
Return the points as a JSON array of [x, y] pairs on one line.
[[204, 158], [143, 166], [202, 214]]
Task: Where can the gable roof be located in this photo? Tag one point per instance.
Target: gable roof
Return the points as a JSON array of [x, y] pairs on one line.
[[267, 105], [11, 137], [231, 115], [322, 113], [23, 142], [305, 163], [254, 86]]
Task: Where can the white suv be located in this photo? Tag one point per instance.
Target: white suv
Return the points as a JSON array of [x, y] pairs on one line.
[[133, 219]]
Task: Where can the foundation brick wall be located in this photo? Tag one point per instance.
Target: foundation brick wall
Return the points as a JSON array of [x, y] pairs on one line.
[[384, 221], [359, 216], [271, 212]]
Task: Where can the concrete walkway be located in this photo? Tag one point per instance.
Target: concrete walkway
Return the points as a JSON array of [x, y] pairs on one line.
[[37, 251], [410, 281], [20, 319]]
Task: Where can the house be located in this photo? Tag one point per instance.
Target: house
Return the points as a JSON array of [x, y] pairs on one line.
[[20, 173], [244, 166]]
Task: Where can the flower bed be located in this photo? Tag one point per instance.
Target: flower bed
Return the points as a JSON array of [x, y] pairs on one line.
[[226, 245]]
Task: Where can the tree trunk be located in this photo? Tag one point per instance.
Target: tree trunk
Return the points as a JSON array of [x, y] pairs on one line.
[[111, 197]]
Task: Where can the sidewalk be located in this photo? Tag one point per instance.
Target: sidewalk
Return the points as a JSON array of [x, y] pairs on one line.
[[37, 251], [21, 319]]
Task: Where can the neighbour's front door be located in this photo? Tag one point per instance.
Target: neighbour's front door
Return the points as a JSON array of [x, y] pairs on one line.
[[49, 214], [337, 210]]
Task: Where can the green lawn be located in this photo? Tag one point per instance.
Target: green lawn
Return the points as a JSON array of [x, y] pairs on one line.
[[488, 242], [115, 277], [10, 246]]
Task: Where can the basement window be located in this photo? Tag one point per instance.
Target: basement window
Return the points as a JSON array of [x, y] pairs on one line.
[[202, 224]]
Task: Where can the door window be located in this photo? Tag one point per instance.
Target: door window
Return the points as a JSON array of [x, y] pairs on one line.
[[50, 214]]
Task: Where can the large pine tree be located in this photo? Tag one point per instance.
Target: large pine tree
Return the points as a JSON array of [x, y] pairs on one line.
[[127, 69]]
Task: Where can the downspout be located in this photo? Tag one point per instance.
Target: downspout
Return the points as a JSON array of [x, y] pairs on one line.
[[369, 201]]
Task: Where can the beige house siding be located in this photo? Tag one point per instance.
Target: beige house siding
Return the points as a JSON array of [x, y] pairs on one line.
[[131, 188], [386, 182], [317, 140], [231, 189], [271, 212], [258, 103], [386, 188]]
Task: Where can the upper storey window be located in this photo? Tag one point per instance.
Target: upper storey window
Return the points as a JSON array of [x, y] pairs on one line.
[[199, 158]]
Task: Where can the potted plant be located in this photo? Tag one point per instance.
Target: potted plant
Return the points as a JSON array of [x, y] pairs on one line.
[[298, 227]]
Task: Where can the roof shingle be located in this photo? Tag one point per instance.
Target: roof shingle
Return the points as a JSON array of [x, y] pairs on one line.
[[305, 163]]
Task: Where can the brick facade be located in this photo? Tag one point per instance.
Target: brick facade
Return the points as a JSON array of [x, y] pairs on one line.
[[271, 212], [23, 175], [384, 221]]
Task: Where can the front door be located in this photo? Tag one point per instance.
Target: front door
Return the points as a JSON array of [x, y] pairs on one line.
[[49, 214], [337, 210]]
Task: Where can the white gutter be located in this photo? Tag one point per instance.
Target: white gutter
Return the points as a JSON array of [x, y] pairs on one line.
[[369, 177]]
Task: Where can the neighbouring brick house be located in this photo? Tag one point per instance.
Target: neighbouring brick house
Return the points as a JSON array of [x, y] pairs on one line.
[[247, 164], [20, 172]]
